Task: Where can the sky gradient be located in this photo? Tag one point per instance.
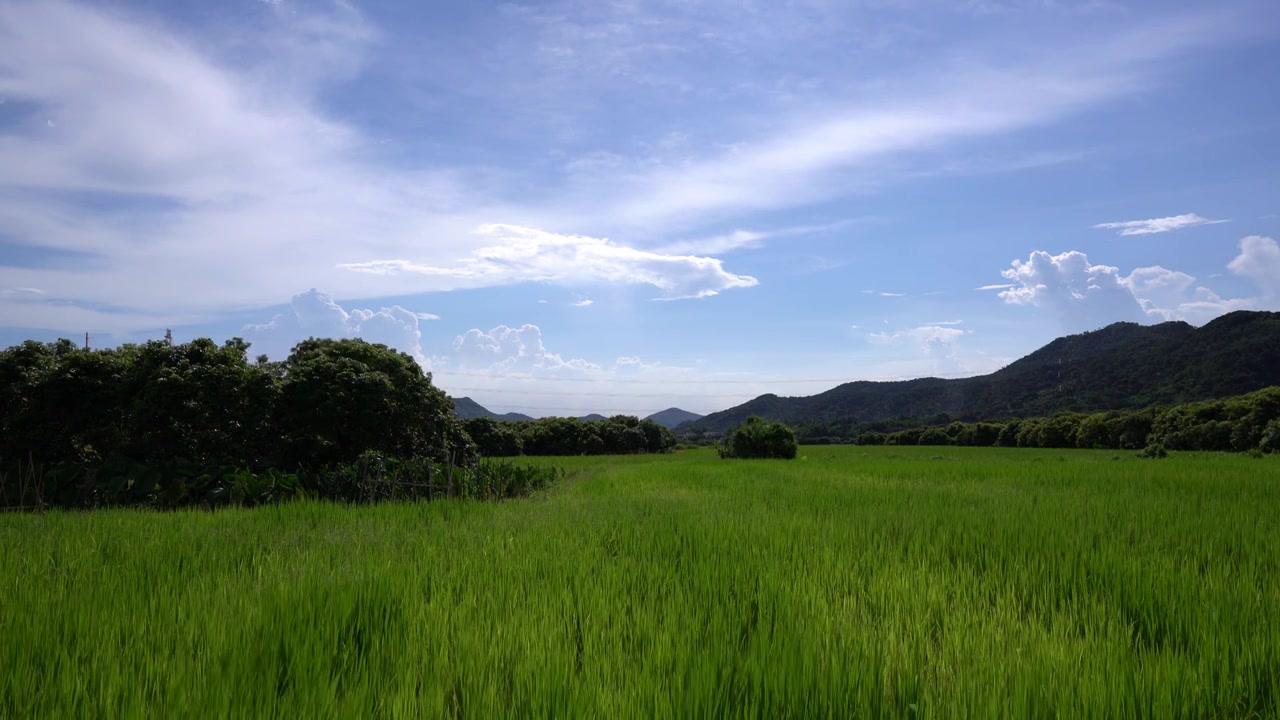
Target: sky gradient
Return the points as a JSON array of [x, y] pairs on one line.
[[570, 206]]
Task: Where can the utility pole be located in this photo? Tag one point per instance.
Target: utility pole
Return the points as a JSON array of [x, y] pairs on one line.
[[86, 341], [168, 336]]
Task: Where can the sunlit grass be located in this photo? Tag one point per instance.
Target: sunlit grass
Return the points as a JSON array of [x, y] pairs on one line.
[[913, 582]]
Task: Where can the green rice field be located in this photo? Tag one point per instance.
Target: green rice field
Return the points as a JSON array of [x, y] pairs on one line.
[[854, 582]]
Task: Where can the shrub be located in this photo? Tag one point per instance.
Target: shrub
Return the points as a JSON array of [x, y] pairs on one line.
[[1155, 451], [759, 438]]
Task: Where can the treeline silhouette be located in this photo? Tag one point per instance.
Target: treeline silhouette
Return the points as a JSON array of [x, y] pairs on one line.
[[169, 425], [617, 435], [1237, 424]]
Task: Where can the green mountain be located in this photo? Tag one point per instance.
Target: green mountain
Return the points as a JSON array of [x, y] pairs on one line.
[[1120, 367], [672, 417], [466, 408]]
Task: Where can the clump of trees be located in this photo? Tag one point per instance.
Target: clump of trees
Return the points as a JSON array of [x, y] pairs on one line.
[[759, 438], [618, 435], [167, 424]]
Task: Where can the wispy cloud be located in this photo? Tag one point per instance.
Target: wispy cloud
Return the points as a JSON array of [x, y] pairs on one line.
[[742, 239], [1004, 286], [1157, 225], [236, 148], [937, 342]]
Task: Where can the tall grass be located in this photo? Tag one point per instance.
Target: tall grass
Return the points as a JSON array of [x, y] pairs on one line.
[[903, 582]]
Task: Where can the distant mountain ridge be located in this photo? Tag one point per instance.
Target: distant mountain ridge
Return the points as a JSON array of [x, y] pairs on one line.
[[1120, 367], [673, 417], [466, 408]]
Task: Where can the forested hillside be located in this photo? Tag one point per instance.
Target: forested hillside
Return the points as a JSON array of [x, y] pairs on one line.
[[1123, 366]]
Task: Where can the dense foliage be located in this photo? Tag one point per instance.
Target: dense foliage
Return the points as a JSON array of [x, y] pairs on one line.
[[1121, 367], [759, 438], [167, 425], [618, 435], [1238, 424]]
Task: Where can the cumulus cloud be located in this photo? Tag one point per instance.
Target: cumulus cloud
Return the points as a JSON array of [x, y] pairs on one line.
[[505, 349], [315, 314], [1157, 225], [523, 254], [1085, 296], [1259, 260]]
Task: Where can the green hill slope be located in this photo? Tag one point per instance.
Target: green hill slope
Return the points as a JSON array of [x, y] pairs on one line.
[[1122, 366]]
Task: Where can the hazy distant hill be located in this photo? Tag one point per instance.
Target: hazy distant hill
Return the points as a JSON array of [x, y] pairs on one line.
[[466, 408], [1122, 366], [593, 416], [672, 417]]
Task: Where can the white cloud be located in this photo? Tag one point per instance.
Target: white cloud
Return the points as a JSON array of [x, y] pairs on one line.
[[584, 302], [938, 343], [505, 349], [1085, 296], [736, 240], [1259, 260], [226, 166], [1002, 286], [925, 335], [426, 316], [1157, 225], [315, 314], [745, 239], [522, 254]]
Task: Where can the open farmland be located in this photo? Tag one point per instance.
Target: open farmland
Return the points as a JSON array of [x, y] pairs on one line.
[[914, 582]]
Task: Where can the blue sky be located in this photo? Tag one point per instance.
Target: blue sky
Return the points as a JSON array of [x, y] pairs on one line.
[[573, 206]]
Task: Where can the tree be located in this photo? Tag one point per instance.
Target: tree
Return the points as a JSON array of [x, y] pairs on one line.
[[759, 438], [198, 402], [934, 436], [340, 398], [493, 438]]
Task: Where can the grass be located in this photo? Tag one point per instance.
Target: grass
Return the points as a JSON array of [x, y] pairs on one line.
[[900, 582]]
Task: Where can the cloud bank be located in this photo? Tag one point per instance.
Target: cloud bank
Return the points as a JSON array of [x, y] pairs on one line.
[[315, 314], [1084, 296]]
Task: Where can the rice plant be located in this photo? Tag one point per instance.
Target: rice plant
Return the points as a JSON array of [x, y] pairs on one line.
[[868, 582]]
